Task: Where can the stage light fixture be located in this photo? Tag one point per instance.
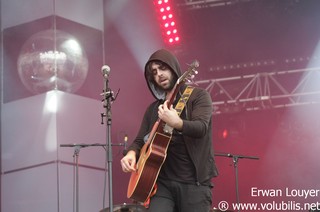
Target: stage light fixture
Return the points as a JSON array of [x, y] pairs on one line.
[[167, 21], [225, 134]]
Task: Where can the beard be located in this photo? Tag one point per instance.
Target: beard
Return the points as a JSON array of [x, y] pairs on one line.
[[168, 87]]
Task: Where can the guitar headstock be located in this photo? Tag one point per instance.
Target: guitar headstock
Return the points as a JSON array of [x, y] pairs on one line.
[[190, 73]]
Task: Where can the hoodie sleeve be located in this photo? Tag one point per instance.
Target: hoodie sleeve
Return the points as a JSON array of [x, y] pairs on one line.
[[199, 110]]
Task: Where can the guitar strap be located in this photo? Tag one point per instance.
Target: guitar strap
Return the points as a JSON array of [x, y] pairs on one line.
[[183, 99], [179, 108]]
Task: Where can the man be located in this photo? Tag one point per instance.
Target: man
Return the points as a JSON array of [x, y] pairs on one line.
[[184, 182]]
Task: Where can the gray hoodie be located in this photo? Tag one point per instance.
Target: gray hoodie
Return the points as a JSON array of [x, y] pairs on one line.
[[167, 58]]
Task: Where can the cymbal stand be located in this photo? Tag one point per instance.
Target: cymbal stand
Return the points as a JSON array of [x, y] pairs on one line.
[[235, 160]]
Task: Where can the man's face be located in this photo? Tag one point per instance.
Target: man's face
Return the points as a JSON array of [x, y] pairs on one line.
[[162, 76]]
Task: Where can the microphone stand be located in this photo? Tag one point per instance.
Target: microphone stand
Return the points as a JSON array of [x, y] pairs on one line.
[[108, 98], [76, 179], [235, 159], [77, 148]]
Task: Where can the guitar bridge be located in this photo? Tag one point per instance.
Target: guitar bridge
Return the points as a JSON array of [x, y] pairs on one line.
[[167, 129]]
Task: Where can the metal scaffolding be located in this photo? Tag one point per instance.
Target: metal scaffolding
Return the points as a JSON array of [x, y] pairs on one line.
[[201, 4], [265, 90]]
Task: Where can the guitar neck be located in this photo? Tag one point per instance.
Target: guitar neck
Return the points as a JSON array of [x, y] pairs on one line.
[[159, 125], [173, 95]]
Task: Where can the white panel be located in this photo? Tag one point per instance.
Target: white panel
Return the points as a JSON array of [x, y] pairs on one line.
[[79, 122], [91, 185], [30, 190], [36, 189], [28, 133], [15, 12], [86, 12], [35, 127]]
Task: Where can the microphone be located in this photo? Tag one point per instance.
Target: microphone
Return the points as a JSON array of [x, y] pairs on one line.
[[125, 143], [105, 71]]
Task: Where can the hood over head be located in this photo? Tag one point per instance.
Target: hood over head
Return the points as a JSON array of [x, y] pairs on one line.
[[170, 60]]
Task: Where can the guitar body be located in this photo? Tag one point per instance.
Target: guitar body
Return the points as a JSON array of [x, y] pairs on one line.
[[152, 156]]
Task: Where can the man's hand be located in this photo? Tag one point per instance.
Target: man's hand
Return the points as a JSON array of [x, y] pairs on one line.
[[170, 116], [128, 162]]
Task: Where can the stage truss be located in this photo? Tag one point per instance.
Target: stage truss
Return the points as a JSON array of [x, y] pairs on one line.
[[261, 91], [202, 4]]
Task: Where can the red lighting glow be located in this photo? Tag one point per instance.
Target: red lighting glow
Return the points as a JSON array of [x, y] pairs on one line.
[[225, 134], [167, 21]]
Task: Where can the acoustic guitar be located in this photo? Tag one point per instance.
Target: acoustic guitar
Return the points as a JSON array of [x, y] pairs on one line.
[[154, 151]]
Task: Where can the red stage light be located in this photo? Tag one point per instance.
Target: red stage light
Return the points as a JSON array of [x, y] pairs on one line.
[[167, 21], [225, 134]]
